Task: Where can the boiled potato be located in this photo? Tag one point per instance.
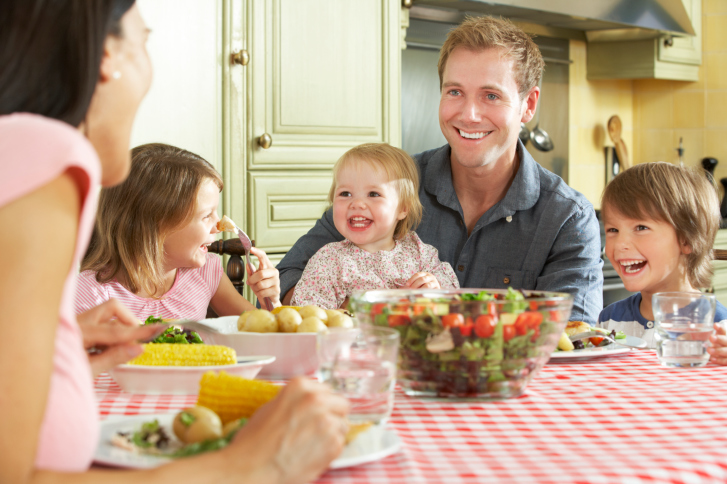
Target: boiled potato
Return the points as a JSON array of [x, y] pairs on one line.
[[196, 424], [312, 324], [339, 320], [332, 312], [288, 320], [261, 321], [242, 320], [308, 311]]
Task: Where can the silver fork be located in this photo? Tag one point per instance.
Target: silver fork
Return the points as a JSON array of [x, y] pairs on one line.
[[591, 334], [247, 245]]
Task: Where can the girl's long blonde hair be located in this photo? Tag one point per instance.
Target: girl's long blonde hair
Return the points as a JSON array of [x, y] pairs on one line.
[[399, 168], [135, 217]]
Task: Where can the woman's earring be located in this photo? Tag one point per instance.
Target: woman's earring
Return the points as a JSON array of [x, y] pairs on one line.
[[116, 75]]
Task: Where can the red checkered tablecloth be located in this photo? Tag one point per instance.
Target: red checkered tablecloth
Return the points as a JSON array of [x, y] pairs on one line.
[[616, 420]]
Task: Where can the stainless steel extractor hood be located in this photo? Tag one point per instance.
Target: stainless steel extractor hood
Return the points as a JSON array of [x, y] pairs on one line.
[[600, 20]]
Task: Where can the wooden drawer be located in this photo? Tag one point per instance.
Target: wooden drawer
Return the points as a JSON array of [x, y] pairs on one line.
[[283, 206]]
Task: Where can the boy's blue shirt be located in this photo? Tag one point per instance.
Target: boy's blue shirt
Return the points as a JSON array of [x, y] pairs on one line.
[[628, 310]]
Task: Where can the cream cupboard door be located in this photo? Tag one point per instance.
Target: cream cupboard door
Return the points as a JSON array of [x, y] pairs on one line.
[[323, 78]]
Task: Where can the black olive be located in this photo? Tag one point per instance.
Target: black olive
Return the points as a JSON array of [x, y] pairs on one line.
[[578, 344]]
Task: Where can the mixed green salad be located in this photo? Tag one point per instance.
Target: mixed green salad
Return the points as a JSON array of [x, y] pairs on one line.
[[173, 334], [473, 343]]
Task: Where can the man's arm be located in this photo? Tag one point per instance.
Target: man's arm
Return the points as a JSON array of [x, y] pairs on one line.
[[575, 266], [293, 264]]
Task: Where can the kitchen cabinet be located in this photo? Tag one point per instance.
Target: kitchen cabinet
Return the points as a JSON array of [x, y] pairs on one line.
[[673, 58], [719, 281]]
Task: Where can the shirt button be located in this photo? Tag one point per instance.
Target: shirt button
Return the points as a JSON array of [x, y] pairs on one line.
[[460, 267], [460, 221], [509, 218], [506, 280]]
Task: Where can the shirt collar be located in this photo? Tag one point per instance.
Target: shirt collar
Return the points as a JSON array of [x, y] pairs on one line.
[[522, 195]]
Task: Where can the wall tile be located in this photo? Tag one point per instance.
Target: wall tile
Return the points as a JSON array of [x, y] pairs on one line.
[[714, 6], [716, 109], [654, 145], [715, 65], [715, 33], [654, 109], [689, 109], [693, 142]]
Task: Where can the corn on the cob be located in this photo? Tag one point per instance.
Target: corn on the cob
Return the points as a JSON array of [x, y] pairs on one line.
[[232, 397], [185, 355]]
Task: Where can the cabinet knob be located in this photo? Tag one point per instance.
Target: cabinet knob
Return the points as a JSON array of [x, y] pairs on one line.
[[407, 3], [240, 57], [265, 141]]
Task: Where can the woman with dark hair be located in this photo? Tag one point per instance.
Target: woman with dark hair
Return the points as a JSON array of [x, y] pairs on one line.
[[72, 76]]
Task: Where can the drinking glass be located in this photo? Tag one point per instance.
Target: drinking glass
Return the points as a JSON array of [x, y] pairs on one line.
[[360, 364], [684, 322]]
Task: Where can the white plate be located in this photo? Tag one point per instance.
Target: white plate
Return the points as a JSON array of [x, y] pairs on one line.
[[371, 445], [598, 351], [295, 353], [180, 380]]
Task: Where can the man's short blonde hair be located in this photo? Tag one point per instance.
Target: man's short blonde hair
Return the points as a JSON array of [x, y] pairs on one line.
[[399, 168], [478, 33], [680, 196]]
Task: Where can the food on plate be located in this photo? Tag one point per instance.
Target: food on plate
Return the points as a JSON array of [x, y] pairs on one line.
[[151, 438], [356, 428], [174, 334], [578, 327], [226, 225], [259, 321], [185, 355], [564, 343], [292, 319], [196, 424], [232, 397], [233, 426], [338, 319], [312, 324], [288, 320], [313, 311]]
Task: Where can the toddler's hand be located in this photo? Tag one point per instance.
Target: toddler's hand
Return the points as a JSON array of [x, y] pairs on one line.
[[265, 282], [422, 280], [718, 350]]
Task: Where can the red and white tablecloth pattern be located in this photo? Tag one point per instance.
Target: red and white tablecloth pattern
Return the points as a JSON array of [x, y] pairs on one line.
[[609, 420]]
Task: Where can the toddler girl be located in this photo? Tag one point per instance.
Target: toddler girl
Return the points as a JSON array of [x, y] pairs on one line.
[[660, 221], [149, 247], [375, 198]]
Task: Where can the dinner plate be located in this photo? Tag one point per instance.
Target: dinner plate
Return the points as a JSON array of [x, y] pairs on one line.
[[598, 351], [373, 444], [180, 380]]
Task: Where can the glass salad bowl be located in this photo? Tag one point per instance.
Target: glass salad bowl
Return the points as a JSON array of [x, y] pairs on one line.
[[468, 343]]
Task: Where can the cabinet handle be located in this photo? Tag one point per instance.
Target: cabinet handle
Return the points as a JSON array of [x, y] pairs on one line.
[[265, 141], [407, 3], [240, 57]]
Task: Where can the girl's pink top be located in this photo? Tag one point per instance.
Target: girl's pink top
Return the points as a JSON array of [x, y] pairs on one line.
[[33, 152], [341, 268], [187, 299]]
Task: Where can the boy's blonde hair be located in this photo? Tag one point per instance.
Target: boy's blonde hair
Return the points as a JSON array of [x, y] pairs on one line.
[[680, 196], [479, 33], [399, 168], [135, 217]]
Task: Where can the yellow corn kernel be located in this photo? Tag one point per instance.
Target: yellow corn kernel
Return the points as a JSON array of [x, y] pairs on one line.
[[166, 354], [232, 397]]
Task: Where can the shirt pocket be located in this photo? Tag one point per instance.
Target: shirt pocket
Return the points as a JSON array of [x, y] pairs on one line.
[[504, 278]]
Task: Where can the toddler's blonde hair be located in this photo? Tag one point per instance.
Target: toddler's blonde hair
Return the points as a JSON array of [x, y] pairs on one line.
[[135, 217], [399, 168], [680, 196]]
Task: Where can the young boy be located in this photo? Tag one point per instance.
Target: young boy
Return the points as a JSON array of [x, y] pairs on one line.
[[660, 221]]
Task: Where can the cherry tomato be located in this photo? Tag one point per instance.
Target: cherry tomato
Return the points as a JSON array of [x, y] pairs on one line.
[[484, 325], [398, 319], [533, 305], [466, 330], [492, 308], [417, 309], [555, 315], [508, 332], [536, 333], [596, 340], [378, 308], [454, 319], [528, 320]]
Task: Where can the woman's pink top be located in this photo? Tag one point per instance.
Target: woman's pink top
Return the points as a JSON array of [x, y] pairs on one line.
[[341, 268], [187, 299], [33, 152]]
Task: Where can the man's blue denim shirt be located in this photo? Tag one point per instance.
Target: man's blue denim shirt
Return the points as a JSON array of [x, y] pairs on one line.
[[542, 235]]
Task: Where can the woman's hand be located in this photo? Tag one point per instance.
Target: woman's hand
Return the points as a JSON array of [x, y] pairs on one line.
[[295, 437], [112, 333], [422, 280], [718, 350], [265, 282]]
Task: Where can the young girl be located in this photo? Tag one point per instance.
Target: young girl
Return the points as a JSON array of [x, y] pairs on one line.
[[149, 249], [375, 198], [660, 221]]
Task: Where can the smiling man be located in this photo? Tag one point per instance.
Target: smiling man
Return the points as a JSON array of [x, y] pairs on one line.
[[494, 214]]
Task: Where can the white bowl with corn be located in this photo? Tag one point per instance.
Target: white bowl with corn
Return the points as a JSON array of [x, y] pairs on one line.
[[288, 333], [176, 369]]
